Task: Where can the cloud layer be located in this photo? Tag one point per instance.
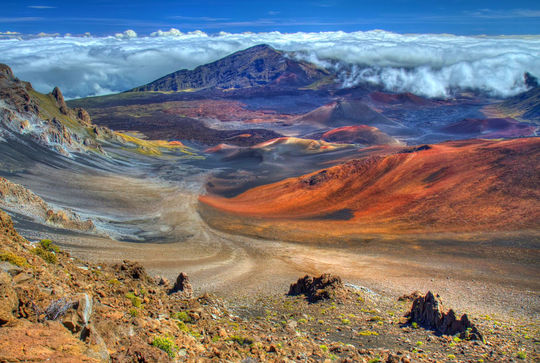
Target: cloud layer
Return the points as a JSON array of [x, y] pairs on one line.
[[430, 65]]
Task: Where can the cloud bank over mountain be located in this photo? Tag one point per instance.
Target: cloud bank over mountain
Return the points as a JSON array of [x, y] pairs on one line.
[[429, 65]]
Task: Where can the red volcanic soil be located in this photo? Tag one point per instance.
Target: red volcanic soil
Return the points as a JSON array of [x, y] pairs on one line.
[[220, 148], [460, 186], [361, 134], [491, 128], [223, 110]]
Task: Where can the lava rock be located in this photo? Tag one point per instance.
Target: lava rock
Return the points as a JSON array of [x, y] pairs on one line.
[[132, 270], [428, 312], [323, 287], [182, 286]]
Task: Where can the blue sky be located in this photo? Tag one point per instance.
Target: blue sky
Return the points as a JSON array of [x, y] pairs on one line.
[[103, 17]]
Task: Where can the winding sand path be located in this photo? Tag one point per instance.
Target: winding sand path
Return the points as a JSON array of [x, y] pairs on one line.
[[242, 268]]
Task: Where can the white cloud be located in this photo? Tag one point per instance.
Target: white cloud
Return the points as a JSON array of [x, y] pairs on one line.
[[431, 65], [128, 34], [173, 32]]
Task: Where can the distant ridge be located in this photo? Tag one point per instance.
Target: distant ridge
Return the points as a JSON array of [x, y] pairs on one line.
[[260, 65]]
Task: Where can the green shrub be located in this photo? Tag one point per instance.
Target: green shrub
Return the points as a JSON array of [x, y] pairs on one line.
[[48, 256], [414, 325], [166, 344], [367, 333], [48, 245], [14, 259], [451, 356], [135, 300], [521, 355], [182, 316], [133, 312], [323, 347], [240, 340], [346, 321]]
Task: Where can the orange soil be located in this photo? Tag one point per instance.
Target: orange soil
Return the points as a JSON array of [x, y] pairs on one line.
[[358, 134], [461, 186]]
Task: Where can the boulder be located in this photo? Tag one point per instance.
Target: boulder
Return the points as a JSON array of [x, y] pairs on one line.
[[182, 286], [323, 287], [84, 116], [428, 312]]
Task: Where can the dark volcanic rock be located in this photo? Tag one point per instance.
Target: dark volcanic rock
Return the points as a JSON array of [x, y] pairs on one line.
[[131, 270], [182, 286], [526, 104], [260, 65], [427, 311], [530, 80], [323, 287]]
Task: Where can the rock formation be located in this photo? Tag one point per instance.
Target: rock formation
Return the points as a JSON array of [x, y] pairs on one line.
[[182, 286], [17, 198], [323, 287], [428, 312]]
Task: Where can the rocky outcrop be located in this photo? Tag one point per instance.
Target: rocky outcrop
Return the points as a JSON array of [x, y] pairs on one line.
[[428, 312], [323, 287], [182, 286], [15, 197], [8, 297], [46, 118], [60, 102]]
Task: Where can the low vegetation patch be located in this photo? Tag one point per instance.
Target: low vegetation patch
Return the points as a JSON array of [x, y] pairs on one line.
[[166, 344], [46, 255], [48, 245], [135, 300], [182, 316], [13, 259], [241, 340]]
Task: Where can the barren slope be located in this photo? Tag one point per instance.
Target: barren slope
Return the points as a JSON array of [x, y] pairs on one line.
[[457, 186]]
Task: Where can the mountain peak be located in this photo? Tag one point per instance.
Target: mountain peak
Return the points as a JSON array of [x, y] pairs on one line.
[[260, 65]]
